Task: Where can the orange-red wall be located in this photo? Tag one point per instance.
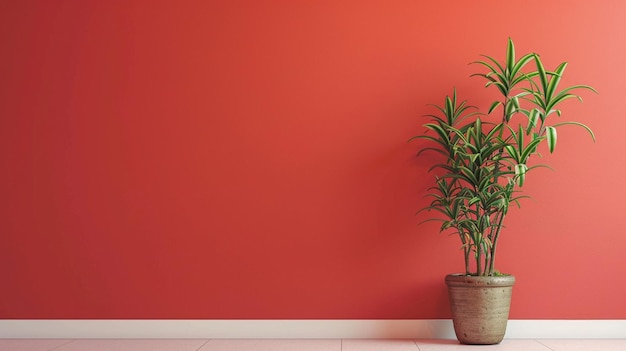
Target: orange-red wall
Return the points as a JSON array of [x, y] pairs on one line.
[[248, 159]]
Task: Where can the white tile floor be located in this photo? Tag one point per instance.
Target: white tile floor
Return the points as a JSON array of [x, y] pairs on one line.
[[305, 345]]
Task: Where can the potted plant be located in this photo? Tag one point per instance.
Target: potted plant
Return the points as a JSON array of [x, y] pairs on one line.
[[485, 158]]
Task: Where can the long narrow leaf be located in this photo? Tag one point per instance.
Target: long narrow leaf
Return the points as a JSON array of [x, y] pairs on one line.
[[520, 64], [530, 149], [520, 173], [510, 57], [554, 80], [541, 72], [533, 117], [551, 137], [493, 106], [580, 125]]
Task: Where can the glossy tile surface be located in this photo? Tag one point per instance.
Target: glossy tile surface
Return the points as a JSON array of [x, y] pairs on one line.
[[505, 345], [585, 344], [134, 345], [272, 345], [31, 345], [378, 345], [306, 345]]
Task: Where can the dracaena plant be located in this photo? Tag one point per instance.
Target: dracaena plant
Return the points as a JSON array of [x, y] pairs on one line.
[[485, 156]]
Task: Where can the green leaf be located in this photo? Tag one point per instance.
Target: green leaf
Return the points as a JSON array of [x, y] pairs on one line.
[[551, 136], [520, 173], [541, 72], [510, 56], [512, 152], [493, 106], [503, 89], [520, 139], [510, 110], [565, 94], [530, 149], [473, 157], [518, 66], [580, 125], [494, 61], [533, 117], [515, 101], [554, 80]]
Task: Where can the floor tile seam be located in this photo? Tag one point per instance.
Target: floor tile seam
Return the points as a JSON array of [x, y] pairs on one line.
[[544, 345], [58, 347], [203, 344]]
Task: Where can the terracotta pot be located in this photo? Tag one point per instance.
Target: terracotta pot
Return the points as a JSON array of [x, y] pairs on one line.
[[480, 307]]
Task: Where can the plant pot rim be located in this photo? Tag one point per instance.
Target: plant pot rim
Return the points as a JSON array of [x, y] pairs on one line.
[[461, 279]]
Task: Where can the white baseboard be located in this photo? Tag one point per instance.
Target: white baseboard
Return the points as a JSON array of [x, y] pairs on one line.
[[301, 329]]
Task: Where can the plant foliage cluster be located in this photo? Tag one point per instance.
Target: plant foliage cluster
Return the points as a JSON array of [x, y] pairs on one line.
[[487, 155]]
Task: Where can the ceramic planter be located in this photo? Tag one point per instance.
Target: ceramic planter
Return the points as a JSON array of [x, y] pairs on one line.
[[480, 307]]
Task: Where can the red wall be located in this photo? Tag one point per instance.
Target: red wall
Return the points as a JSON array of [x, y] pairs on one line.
[[248, 159]]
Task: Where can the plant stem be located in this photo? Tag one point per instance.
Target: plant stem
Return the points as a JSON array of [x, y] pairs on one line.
[[478, 255], [466, 251], [495, 242]]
